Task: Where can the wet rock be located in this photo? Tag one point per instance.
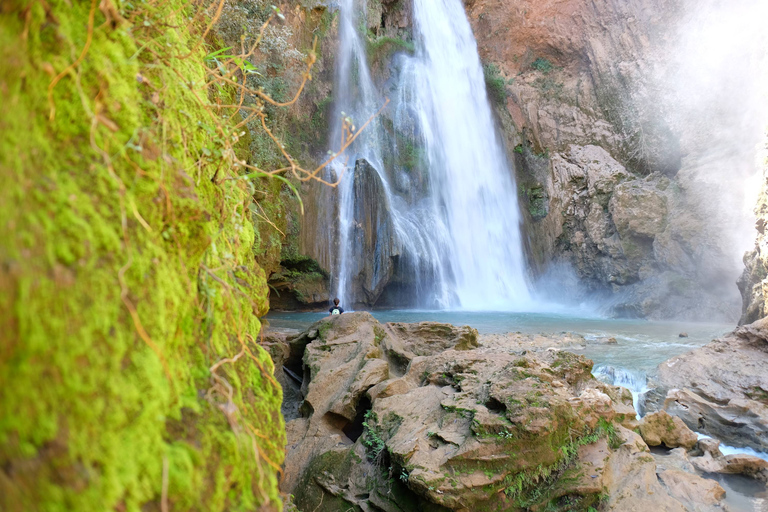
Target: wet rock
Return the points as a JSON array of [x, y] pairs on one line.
[[720, 389], [691, 488], [631, 482], [373, 242], [660, 428], [682, 335], [638, 208]]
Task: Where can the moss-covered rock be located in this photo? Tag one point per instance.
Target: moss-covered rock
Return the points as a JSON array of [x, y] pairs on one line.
[[423, 413], [129, 296]]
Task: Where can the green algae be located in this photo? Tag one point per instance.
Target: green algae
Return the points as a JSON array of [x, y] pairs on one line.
[[126, 273]]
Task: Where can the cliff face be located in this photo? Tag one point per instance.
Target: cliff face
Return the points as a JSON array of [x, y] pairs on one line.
[[620, 187], [753, 283], [614, 183]]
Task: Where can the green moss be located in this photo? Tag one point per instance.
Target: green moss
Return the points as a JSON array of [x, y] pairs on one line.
[[126, 274], [537, 202], [495, 83], [381, 49], [541, 485]]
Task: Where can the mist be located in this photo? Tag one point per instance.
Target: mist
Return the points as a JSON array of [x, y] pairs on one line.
[[714, 84]]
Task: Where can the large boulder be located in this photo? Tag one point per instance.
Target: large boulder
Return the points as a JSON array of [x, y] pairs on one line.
[[660, 428], [373, 241], [721, 389], [400, 417], [638, 209]]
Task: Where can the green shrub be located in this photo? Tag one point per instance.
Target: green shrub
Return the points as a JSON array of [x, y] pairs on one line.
[[543, 65], [495, 83]]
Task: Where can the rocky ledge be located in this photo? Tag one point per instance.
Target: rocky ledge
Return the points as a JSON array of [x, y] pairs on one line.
[[720, 389], [402, 417]]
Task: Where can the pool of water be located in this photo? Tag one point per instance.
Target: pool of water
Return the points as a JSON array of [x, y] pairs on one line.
[[641, 345]]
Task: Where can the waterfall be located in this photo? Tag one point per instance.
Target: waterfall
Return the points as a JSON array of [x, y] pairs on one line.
[[635, 381], [459, 241], [355, 96], [472, 182]]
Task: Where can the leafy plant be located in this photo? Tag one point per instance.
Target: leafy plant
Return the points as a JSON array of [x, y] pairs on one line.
[[372, 440], [495, 83], [543, 65]]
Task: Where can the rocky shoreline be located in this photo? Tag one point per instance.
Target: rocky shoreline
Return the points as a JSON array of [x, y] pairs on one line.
[[430, 416]]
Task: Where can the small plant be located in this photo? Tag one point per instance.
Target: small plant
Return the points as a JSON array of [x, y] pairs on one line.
[[495, 83], [372, 439], [543, 65], [404, 475]]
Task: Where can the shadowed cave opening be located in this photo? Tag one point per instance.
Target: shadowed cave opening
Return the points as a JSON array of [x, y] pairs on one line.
[[354, 429]]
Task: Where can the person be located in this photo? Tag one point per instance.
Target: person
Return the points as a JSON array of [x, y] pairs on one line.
[[336, 309]]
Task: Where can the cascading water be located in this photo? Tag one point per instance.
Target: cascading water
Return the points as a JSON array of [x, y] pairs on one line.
[[634, 380], [355, 94], [460, 239], [357, 97], [472, 185]]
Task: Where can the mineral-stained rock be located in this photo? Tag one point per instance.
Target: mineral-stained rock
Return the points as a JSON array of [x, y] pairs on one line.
[[661, 428], [401, 417], [373, 240]]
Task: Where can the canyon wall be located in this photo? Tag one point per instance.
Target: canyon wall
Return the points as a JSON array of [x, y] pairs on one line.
[[619, 183], [625, 190], [753, 283]]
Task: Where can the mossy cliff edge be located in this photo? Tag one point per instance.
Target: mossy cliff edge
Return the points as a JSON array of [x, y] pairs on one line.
[[129, 294]]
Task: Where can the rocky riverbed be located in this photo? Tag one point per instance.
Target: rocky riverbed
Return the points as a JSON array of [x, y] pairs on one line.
[[430, 416]]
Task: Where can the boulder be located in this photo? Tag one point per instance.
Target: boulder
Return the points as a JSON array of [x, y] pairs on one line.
[[631, 482], [638, 208], [660, 428], [691, 488]]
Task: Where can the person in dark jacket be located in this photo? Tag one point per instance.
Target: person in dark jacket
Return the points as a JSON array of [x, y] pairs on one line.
[[336, 309]]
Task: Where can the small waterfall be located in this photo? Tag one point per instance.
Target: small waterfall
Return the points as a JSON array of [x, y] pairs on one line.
[[457, 234], [356, 96], [635, 381]]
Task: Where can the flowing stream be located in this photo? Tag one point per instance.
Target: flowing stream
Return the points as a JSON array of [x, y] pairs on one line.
[[461, 242]]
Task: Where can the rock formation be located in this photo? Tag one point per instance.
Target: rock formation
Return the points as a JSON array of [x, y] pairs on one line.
[[425, 417], [373, 237], [579, 98], [721, 389], [754, 279], [661, 428]]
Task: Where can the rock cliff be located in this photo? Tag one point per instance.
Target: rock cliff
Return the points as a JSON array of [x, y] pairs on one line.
[[754, 280], [614, 182]]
